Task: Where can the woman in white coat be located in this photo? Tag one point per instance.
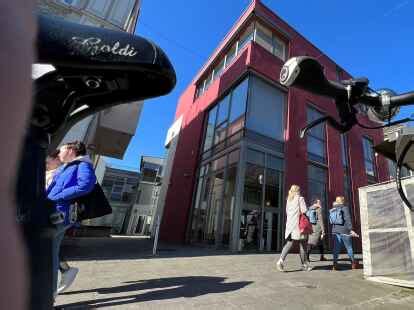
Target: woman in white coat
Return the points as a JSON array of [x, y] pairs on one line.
[[295, 204]]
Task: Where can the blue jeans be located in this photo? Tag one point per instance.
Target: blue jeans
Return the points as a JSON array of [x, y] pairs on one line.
[[60, 233], [346, 240]]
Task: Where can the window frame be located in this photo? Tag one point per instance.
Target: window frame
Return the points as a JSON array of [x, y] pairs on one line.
[[311, 106], [373, 157]]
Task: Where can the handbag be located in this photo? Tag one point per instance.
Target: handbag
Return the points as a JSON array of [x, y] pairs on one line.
[[93, 204], [305, 225]]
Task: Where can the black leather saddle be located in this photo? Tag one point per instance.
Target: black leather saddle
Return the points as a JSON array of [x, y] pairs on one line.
[[95, 68]]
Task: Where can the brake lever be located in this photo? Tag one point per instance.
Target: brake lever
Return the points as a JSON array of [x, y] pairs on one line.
[[331, 121]]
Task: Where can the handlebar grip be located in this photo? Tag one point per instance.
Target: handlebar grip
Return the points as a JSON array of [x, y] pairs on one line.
[[403, 99]]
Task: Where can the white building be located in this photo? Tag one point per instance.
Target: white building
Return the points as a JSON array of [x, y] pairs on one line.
[[141, 218], [120, 187]]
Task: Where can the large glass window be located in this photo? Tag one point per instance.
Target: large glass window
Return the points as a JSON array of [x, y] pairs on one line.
[[317, 184], [265, 111], [214, 201], [223, 110], [253, 191], [209, 134], [369, 157], [273, 189], [251, 215], [229, 198], [226, 118], [316, 138], [238, 110]]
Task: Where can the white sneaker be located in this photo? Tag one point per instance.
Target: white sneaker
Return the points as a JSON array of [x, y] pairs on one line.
[[306, 267], [279, 266], [67, 279]]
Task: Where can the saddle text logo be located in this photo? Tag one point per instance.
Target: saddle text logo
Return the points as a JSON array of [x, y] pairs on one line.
[[94, 46]]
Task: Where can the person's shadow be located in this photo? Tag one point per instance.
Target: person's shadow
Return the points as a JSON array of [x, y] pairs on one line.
[[166, 288]]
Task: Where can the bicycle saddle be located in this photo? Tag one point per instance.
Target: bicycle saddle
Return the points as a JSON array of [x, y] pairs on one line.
[[95, 69]]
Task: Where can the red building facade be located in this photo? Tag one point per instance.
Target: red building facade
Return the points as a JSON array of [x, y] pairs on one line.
[[239, 151]]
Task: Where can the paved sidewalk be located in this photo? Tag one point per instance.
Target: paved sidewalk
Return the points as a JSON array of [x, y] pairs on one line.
[[193, 278]]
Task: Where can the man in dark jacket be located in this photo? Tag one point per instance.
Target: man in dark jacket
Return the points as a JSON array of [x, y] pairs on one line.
[[340, 218]]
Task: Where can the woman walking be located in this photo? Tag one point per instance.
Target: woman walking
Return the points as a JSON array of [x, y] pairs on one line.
[[295, 205], [342, 232], [315, 216]]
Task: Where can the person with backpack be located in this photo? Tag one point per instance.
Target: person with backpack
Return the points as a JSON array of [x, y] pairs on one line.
[[315, 216], [295, 206], [76, 178], [342, 233]]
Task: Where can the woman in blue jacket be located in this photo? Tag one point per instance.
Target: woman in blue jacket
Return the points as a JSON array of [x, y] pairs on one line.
[[74, 179], [342, 231]]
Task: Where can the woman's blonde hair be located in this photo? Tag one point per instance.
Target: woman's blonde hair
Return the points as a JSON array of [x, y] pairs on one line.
[[340, 200], [294, 190]]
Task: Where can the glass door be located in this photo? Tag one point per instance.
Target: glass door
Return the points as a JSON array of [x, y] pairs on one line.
[[214, 210], [253, 198], [261, 212]]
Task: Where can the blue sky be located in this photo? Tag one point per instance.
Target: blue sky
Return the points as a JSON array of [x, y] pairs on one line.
[[367, 38]]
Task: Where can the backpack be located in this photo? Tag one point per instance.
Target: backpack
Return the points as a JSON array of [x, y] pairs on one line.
[[312, 216], [336, 216]]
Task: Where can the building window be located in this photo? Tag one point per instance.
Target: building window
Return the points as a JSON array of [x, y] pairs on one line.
[[226, 118], [99, 7], [347, 189], [344, 150], [270, 41], [246, 37], [345, 165], [317, 185], [120, 12], [231, 54], [264, 37], [212, 213], [219, 69], [316, 137], [255, 31], [369, 157], [265, 111]]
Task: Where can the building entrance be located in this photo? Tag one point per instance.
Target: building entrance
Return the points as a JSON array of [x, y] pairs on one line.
[[261, 203]]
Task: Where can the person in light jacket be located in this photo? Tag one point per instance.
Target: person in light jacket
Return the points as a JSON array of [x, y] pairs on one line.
[[318, 228], [75, 179], [52, 166], [295, 205], [342, 233]]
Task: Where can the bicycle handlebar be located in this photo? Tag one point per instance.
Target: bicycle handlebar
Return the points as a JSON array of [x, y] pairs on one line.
[[307, 73]]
